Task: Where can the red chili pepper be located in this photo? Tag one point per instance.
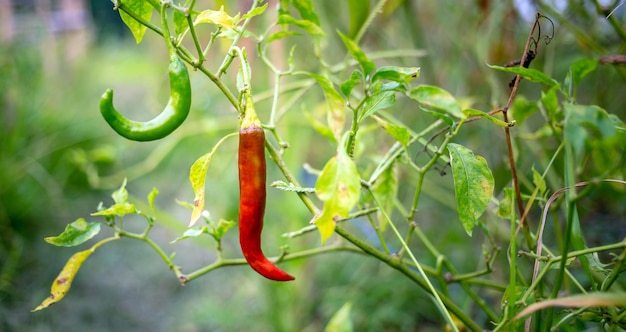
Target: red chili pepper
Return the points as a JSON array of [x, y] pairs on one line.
[[252, 198]]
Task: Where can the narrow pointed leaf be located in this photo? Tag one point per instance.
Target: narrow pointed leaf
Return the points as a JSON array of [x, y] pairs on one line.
[[377, 102], [530, 74], [355, 51], [397, 74]]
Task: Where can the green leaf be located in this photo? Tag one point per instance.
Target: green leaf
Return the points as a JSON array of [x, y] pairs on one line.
[[339, 187], [217, 17], [336, 115], [319, 127], [119, 209], [578, 70], [385, 190], [180, 23], [151, 196], [192, 232], [281, 34], [143, 10], [377, 102], [197, 177], [434, 98], [120, 196], [305, 8], [401, 75], [356, 78], [254, 12], [473, 184], [341, 322], [401, 134], [75, 233], [522, 108], [310, 27], [472, 112], [550, 102], [358, 10], [530, 74], [583, 120], [506, 209], [539, 182], [355, 51], [218, 231]]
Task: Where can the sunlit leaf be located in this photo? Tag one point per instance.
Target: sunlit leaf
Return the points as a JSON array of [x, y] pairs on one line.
[[473, 184], [341, 322], [143, 10], [338, 186], [75, 233], [530, 74], [151, 197], [434, 98], [254, 12], [397, 74], [120, 196], [218, 231], [197, 177], [281, 34], [355, 51], [217, 17], [120, 209]]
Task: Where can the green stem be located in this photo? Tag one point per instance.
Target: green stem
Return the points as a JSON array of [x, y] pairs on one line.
[[397, 264], [229, 56], [157, 249]]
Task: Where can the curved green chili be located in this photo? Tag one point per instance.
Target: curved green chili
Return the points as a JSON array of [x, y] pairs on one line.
[[170, 118], [251, 163]]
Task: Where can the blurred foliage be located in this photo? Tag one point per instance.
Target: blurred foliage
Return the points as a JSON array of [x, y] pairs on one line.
[[58, 160]]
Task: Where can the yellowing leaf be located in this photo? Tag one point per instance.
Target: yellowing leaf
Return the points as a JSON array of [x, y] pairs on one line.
[[339, 186], [473, 184], [218, 17], [197, 177], [340, 322], [63, 281], [117, 210], [434, 98]]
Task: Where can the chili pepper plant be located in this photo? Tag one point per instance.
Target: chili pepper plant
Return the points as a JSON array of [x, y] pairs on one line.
[[374, 162]]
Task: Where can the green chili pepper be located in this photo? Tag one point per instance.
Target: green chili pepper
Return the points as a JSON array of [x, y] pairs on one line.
[[174, 113]]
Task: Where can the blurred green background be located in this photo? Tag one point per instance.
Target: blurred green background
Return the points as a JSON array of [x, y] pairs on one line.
[[58, 160]]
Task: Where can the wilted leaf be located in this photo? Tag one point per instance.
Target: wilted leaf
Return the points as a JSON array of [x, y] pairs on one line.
[[595, 299], [75, 233], [473, 184], [197, 177]]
